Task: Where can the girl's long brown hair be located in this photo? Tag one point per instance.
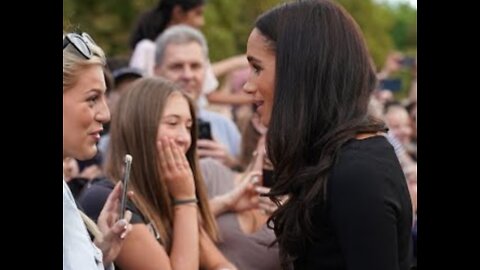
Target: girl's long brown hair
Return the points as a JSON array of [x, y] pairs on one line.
[[133, 131]]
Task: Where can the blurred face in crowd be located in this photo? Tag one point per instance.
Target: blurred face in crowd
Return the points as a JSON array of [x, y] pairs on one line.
[[193, 17], [84, 112], [261, 81], [176, 122], [398, 121], [184, 64]]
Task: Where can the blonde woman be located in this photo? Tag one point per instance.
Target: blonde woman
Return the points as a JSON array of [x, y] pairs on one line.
[[84, 113]]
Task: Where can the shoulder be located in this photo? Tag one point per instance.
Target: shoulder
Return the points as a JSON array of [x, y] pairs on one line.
[[213, 169], [368, 165], [145, 44], [217, 177], [366, 156], [93, 197]]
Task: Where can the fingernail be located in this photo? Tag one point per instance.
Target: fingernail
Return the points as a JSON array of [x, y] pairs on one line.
[[123, 223], [123, 235], [254, 180]]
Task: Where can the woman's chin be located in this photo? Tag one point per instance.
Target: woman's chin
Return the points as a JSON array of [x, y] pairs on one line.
[[88, 153], [265, 120]]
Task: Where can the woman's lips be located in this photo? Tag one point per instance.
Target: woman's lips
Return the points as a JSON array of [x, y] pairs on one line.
[[259, 105]]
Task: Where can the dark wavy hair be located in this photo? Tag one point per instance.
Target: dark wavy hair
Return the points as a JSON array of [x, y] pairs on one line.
[[152, 22], [323, 82]]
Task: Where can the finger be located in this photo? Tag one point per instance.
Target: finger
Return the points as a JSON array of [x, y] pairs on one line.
[[262, 189], [211, 153], [207, 143], [161, 154], [131, 195], [269, 209], [127, 231], [113, 198], [169, 154], [116, 230], [180, 158], [177, 157], [128, 227], [254, 177], [266, 200], [128, 216]]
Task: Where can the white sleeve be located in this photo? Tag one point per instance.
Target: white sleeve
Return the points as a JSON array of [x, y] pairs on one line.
[[143, 57]]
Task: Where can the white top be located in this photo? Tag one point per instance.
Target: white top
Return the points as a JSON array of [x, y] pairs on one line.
[[79, 252]]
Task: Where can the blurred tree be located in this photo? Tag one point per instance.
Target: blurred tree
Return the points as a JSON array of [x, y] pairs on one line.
[[376, 22], [108, 21], [229, 22], [404, 31]]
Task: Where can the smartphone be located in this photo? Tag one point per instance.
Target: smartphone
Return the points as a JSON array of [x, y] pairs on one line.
[[204, 130], [126, 176], [267, 178]]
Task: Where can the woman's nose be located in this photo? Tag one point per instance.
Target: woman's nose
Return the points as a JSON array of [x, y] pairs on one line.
[[249, 88], [103, 113]]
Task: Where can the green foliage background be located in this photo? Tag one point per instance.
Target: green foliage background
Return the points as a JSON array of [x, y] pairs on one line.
[[229, 22]]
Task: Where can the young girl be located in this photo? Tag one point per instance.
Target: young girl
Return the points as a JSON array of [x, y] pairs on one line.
[[172, 225]]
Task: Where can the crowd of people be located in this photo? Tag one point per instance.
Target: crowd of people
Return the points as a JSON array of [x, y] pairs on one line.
[[312, 166]]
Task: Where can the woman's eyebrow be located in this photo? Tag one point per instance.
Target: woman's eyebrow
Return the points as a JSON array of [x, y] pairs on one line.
[[253, 59]]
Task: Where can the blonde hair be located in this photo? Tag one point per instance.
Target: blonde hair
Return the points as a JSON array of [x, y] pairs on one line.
[[74, 62]]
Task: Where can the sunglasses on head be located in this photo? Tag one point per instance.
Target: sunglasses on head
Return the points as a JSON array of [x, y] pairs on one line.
[[82, 43]]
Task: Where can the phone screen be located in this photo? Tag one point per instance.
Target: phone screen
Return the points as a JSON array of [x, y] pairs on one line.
[[204, 130], [267, 177]]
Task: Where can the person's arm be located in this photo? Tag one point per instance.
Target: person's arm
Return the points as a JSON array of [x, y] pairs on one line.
[[216, 150], [210, 257], [222, 97], [185, 247], [242, 197], [142, 251], [364, 217], [178, 176], [226, 65]]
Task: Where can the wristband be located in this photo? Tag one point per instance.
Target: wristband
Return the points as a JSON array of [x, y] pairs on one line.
[[185, 201]]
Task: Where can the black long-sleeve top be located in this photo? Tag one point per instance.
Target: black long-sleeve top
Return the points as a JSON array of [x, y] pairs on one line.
[[367, 219]]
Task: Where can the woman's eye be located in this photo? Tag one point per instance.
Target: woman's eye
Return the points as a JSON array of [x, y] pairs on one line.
[[256, 69], [92, 100]]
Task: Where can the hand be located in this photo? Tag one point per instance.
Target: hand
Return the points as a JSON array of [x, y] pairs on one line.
[[176, 170], [113, 230], [243, 196], [216, 150], [265, 204], [70, 168]]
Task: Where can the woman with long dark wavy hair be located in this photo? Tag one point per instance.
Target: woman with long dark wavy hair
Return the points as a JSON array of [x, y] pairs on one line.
[[347, 205]]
